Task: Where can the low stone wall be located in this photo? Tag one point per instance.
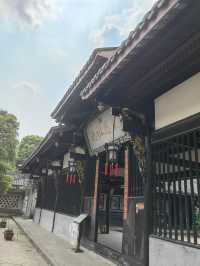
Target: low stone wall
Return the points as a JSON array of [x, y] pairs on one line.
[[46, 220], [36, 217], [62, 225], [165, 253]]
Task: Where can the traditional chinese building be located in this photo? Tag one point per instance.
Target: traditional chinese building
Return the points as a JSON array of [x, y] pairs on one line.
[[128, 154]]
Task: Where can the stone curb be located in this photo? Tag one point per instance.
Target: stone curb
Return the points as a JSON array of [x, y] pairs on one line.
[[36, 246]]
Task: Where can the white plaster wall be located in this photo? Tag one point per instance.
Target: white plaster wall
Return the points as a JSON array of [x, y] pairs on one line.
[[61, 226], [164, 253], [180, 102], [20, 202], [46, 219], [33, 202], [25, 204], [36, 216], [29, 202]]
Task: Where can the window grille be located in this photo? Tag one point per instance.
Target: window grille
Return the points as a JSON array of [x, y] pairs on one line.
[[176, 187]]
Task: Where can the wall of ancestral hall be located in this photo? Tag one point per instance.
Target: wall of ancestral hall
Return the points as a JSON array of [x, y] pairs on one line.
[[61, 225], [165, 253], [178, 103], [29, 202], [46, 220], [36, 217]]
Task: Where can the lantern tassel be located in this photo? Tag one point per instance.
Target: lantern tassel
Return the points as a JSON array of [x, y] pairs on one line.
[[74, 179], [106, 171], [110, 170], [116, 169]]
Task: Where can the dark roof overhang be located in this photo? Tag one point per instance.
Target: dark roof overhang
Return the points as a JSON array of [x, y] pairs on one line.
[[55, 144], [157, 55], [96, 60]]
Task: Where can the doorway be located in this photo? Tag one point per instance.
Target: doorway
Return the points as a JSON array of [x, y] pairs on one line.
[[110, 209]]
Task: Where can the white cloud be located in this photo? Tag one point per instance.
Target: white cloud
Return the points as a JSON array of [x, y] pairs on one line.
[[124, 21], [29, 12], [26, 87]]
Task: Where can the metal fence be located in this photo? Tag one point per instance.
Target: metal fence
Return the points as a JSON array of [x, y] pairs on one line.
[[176, 187]]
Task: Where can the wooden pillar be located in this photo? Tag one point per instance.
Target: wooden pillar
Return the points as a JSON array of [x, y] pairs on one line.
[[126, 183], [56, 183], [147, 198], [108, 212], [43, 184], [95, 208], [125, 241]]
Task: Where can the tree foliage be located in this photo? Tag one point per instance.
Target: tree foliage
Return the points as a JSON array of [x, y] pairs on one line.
[[8, 142], [27, 145]]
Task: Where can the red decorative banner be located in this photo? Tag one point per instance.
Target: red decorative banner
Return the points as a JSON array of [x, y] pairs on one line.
[[111, 169], [126, 177], [70, 179]]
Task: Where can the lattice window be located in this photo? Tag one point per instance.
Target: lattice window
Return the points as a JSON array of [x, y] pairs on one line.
[[9, 201]]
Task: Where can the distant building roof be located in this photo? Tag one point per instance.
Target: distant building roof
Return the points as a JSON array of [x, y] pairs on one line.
[[44, 143]]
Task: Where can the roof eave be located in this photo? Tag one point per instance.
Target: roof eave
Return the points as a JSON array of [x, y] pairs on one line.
[[81, 75], [151, 20]]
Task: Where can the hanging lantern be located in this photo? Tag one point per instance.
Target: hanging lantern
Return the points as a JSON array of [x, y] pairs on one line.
[[44, 170], [72, 165], [112, 153], [56, 164], [111, 165], [71, 176], [49, 172]]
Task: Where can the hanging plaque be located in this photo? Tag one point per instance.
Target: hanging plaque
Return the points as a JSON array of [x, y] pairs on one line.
[[100, 131]]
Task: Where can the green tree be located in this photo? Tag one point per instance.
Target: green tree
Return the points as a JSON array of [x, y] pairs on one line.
[[27, 145], [8, 142]]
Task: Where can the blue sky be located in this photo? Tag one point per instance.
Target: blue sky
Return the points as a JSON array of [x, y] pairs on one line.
[[44, 44]]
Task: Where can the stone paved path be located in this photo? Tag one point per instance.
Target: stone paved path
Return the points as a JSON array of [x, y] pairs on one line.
[[58, 251], [20, 251]]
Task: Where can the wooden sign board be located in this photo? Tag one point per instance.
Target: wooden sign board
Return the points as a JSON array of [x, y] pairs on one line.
[[100, 131]]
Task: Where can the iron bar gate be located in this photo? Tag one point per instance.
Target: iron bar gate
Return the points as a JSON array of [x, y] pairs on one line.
[[176, 187]]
